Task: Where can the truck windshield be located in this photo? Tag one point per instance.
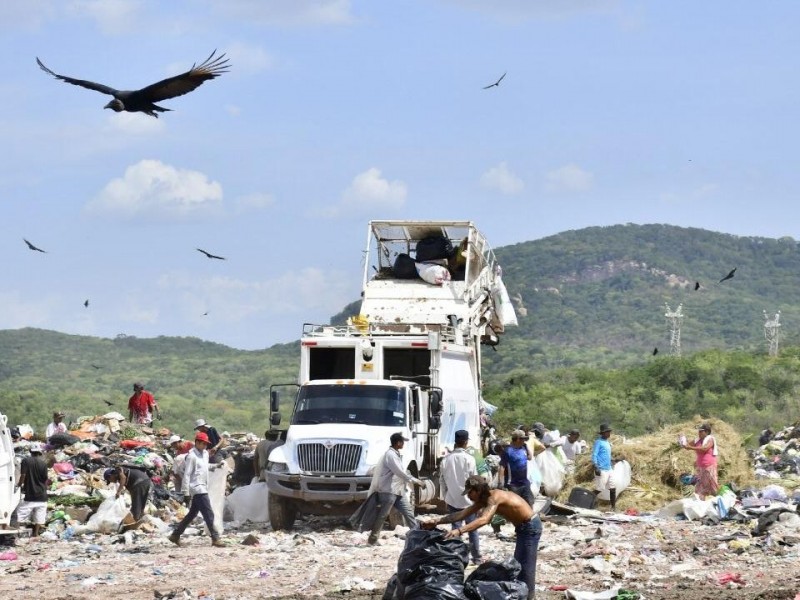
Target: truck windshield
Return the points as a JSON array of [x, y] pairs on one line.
[[364, 404]]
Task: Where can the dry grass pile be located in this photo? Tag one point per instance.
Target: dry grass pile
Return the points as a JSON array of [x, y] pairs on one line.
[[657, 463]]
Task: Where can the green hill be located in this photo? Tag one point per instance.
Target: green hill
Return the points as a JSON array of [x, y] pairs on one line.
[[593, 303]]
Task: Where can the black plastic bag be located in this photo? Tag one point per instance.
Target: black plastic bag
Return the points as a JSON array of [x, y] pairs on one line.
[[496, 590], [405, 267], [508, 570], [431, 549], [434, 589], [391, 588], [59, 440], [434, 248]]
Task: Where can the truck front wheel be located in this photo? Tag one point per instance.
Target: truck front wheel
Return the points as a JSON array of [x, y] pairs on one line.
[[282, 513]]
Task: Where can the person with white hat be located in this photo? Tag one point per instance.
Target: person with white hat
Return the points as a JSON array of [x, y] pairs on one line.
[[57, 426], [214, 439], [180, 448], [33, 483]]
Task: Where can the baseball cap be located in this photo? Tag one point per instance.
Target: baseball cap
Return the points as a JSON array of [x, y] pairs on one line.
[[58, 413], [538, 427], [173, 439], [517, 434], [462, 435], [36, 447], [605, 427], [396, 437], [473, 481], [108, 473], [202, 436], [704, 427], [574, 432], [199, 423]]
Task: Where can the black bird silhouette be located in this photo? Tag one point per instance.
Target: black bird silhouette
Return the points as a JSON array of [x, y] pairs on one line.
[[32, 247], [205, 314], [144, 100], [729, 275], [209, 255], [696, 285], [496, 83], [108, 403], [94, 366], [655, 351], [86, 304]]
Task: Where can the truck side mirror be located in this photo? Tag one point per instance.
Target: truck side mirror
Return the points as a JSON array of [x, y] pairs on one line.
[[274, 401], [435, 409], [275, 419]]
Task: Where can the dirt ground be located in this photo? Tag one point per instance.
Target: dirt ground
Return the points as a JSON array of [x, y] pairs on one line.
[[658, 558]]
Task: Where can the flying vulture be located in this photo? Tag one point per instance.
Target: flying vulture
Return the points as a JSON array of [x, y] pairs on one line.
[[32, 247], [496, 83], [729, 275], [144, 100], [209, 255]]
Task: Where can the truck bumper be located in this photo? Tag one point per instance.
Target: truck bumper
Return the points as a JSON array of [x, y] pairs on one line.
[[319, 489]]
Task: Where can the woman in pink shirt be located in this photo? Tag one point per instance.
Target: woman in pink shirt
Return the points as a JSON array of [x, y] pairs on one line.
[[705, 447]]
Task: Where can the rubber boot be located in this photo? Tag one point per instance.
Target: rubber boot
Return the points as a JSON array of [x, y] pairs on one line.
[[612, 495]]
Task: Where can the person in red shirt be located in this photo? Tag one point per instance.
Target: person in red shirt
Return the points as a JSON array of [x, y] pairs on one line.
[[141, 406], [180, 446]]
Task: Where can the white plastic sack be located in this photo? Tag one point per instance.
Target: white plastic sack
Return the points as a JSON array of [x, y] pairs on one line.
[[774, 492], [249, 503], [433, 273], [552, 473], [534, 476], [502, 303], [217, 481], [691, 508], [109, 515], [622, 479]]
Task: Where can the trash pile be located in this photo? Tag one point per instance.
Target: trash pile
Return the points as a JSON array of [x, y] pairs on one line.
[[779, 457]]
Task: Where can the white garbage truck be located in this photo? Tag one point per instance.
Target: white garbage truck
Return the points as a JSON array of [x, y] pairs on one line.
[[410, 362], [9, 492]]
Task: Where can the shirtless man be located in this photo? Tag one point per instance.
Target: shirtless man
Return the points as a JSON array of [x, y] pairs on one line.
[[514, 508]]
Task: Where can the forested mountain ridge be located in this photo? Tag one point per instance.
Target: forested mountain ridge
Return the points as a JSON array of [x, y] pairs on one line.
[[597, 296], [593, 304]]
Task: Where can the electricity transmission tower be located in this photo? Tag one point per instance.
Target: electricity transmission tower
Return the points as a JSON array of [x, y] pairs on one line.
[[674, 320], [772, 332]]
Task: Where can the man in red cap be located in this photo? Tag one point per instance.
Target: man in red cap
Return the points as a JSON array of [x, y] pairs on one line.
[[195, 487]]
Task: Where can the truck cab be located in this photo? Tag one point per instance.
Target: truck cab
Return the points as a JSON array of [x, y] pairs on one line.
[[410, 362]]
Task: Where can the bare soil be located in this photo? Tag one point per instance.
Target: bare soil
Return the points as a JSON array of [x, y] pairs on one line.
[[660, 559]]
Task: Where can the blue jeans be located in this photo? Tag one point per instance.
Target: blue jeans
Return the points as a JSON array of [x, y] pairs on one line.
[[474, 544], [385, 504], [523, 490], [200, 504], [527, 547]]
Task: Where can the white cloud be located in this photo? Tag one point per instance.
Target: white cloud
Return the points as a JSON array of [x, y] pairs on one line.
[[569, 178], [26, 15], [502, 179], [288, 12], [233, 110], [253, 202], [249, 58], [701, 192], [25, 312], [152, 189], [369, 190], [111, 16]]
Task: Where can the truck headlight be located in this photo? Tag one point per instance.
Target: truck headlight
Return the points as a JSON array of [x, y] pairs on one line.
[[277, 467]]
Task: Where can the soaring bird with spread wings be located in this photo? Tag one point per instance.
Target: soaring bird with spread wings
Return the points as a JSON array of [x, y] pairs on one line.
[[209, 255], [144, 100]]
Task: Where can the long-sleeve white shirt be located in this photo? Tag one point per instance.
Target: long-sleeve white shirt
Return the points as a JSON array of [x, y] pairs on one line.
[[392, 477], [54, 428], [455, 468], [195, 473]]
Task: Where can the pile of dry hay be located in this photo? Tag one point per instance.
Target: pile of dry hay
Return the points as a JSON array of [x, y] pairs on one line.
[[657, 463]]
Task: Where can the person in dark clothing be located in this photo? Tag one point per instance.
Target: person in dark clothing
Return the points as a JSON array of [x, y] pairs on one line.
[[487, 503], [765, 437], [136, 482], [33, 483], [214, 440], [514, 467]]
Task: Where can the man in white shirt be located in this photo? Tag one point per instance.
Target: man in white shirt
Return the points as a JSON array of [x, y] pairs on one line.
[[456, 467], [57, 426], [195, 486], [391, 479], [571, 445]]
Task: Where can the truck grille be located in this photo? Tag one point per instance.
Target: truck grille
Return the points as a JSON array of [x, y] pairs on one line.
[[340, 458]]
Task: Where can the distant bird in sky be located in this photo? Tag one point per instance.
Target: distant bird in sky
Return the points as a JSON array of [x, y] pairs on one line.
[[729, 275], [205, 314], [209, 255], [86, 303], [144, 100], [94, 366], [496, 83], [655, 351], [32, 247], [696, 285]]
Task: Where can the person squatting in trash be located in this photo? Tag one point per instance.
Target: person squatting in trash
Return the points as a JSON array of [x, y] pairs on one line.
[[486, 503], [603, 467], [456, 467], [136, 481], [705, 447], [514, 467], [391, 487], [195, 491]]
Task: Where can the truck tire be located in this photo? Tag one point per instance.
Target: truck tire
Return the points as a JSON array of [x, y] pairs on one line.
[[282, 513]]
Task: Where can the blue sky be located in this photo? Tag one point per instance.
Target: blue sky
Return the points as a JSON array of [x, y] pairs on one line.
[[336, 112]]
